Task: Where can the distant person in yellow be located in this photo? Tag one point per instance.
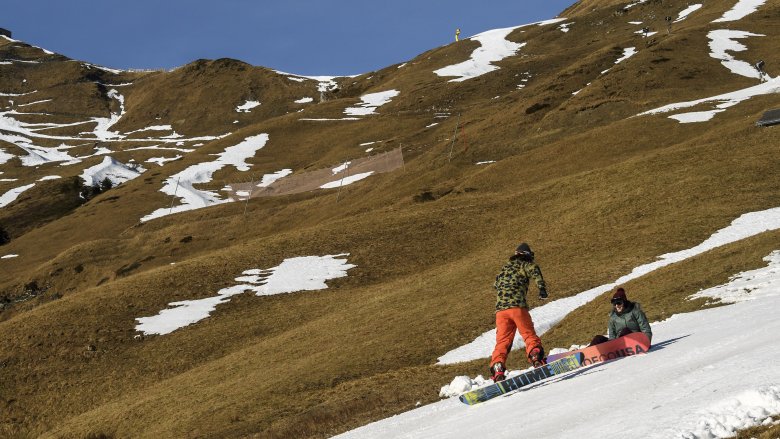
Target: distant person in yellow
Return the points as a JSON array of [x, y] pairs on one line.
[[457, 34]]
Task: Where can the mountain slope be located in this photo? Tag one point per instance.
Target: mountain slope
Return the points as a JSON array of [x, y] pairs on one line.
[[685, 386], [594, 187]]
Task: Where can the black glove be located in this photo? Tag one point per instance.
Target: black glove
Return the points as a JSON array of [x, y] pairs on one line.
[[542, 293]]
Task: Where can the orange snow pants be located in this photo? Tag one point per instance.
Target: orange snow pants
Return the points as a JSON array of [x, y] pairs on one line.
[[507, 321]]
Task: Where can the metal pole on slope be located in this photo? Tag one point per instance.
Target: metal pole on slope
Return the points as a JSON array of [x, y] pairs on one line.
[[251, 188], [173, 197], [454, 137], [465, 139], [387, 156], [346, 171]]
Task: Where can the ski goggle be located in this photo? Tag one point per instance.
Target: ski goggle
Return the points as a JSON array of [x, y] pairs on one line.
[[617, 301]]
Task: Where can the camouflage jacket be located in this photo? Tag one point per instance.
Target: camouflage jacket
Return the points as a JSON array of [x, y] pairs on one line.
[[512, 283]]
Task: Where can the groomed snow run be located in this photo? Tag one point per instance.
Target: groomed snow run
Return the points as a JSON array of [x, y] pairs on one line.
[[708, 374]]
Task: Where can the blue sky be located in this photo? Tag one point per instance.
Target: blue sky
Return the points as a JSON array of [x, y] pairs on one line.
[[308, 37]]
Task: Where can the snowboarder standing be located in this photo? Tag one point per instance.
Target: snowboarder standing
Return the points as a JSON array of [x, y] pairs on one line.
[[512, 310], [626, 317]]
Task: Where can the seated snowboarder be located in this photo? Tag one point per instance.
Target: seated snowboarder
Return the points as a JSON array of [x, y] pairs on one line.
[[512, 310], [626, 317]]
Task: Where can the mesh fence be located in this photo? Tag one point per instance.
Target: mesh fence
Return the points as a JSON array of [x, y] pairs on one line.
[[313, 180]]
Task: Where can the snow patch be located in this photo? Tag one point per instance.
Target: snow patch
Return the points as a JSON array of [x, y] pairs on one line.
[[748, 409], [9, 197], [628, 52], [101, 131], [117, 172], [741, 286], [645, 34], [721, 102], [181, 185], [346, 180], [695, 116], [686, 12], [38, 155], [306, 273], [105, 69], [371, 102], [631, 5], [324, 119], [34, 103], [341, 167], [723, 41], [152, 128], [742, 9], [462, 384], [495, 47], [269, 179], [247, 106], [5, 157], [160, 161]]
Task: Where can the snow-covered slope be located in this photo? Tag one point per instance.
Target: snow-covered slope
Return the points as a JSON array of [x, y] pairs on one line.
[[708, 374]]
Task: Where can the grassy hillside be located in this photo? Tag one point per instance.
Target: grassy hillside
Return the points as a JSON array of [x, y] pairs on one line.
[[595, 189]]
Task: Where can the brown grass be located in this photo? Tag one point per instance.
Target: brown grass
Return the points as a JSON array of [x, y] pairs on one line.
[[763, 432], [595, 191]]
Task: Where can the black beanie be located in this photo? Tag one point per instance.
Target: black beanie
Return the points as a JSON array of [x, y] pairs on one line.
[[524, 248]]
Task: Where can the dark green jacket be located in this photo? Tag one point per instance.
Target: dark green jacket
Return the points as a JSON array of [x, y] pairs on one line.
[[512, 283], [632, 318]]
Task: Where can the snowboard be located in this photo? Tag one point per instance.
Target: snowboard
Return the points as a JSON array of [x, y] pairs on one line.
[[559, 366], [631, 344]]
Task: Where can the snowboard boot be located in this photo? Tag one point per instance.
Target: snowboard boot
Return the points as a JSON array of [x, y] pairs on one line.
[[498, 372], [536, 357], [598, 340]]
